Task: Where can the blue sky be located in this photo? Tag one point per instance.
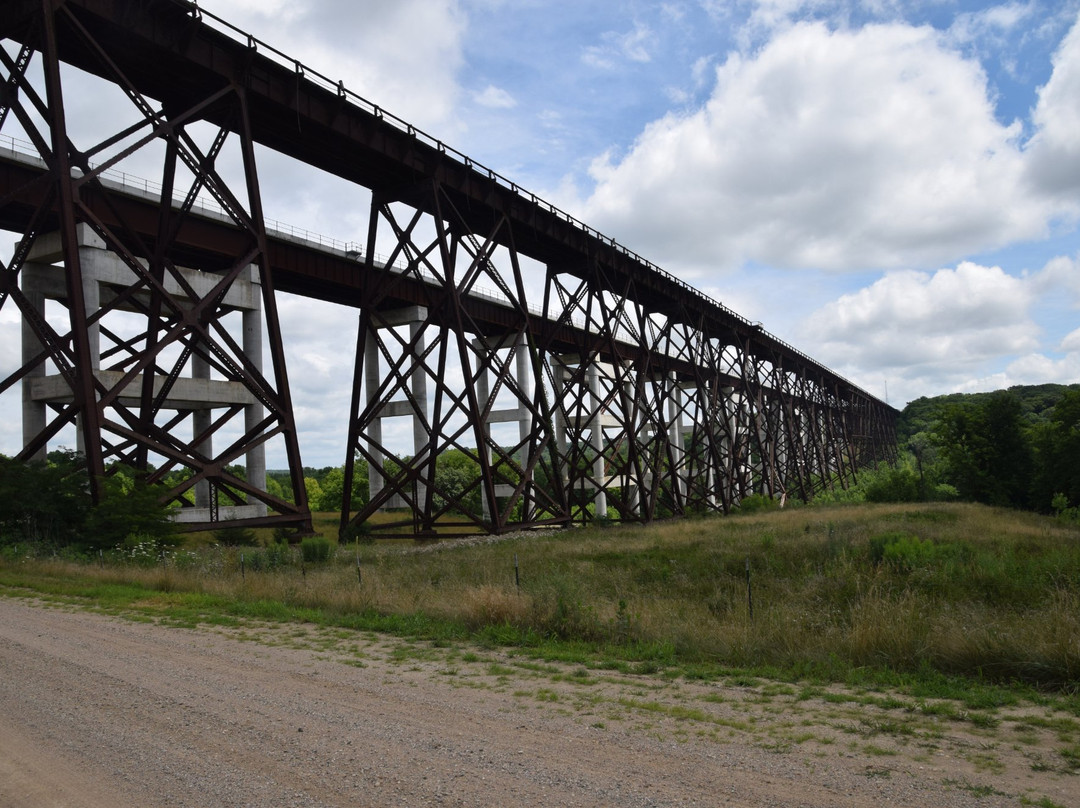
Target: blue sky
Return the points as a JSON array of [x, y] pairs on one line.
[[893, 187]]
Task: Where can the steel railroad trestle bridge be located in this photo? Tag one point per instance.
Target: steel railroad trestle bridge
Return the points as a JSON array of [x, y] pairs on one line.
[[619, 393]]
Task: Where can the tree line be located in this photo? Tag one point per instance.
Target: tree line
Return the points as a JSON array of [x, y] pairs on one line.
[[1017, 448]]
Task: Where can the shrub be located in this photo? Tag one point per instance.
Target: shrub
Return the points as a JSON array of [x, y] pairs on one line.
[[904, 551], [756, 503], [272, 557], [234, 536], [359, 533], [43, 503], [893, 484], [316, 549], [129, 508]]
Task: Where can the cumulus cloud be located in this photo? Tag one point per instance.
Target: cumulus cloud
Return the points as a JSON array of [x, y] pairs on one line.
[[992, 22], [1071, 343], [965, 329], [953, 317], [1061, 277], [616, 47], [876, 147], [1038, 368], [403, 55], [495, 98], [1055, 147]]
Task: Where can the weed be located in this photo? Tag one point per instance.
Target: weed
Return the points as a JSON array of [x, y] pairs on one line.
[[975, 790], [316, 550]]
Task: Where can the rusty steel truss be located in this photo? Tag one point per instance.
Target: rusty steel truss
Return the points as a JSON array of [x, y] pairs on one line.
[[514, 368]]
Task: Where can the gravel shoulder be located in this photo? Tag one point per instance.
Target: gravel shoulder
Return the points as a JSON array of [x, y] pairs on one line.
[[102, 711]]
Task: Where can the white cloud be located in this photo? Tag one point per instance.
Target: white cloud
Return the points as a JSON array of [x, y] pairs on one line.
[[495, 98], [1060, 276], [991, 22], [952, 317], [632, 46], [966, 329], [1071, 343], [1055, 147], [829, 149], [403, 55]]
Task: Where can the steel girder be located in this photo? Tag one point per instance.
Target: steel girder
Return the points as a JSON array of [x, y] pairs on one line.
[[120, 379]]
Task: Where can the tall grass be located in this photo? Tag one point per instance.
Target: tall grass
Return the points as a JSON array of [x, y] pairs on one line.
[[947, 588]]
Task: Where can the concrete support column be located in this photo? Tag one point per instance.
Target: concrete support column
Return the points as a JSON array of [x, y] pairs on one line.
[[635, 427], [418, 385], [779, 429], [483, 395], [596, 438], [34, 413], [200, 422], [675, 436], [523, 380], [372, 379], [525, 419], [414, 317]]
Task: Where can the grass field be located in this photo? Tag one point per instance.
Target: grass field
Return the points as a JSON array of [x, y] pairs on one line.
[[943, 598]]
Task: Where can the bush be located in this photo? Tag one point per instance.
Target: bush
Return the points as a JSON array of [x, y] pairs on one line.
[[893, 484], [360, 533], [43, 503], [234, 536], [272, 557], [129, 509], [904, 552], [756, 503], [316, 550]]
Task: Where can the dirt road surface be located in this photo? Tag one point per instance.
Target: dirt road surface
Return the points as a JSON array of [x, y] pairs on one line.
[[101, 712]]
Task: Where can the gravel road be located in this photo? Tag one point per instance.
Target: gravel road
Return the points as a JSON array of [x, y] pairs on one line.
[[97, 711]]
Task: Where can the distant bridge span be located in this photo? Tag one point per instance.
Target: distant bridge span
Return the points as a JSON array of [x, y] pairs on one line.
[[619, 393]]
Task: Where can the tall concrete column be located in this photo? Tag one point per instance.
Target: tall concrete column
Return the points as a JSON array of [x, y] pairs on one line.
[[372, 379], [632, 484], [34, 413], [483, 395], [596, 438], [675, 435], [201, 419], [418, 385], [414, 317], [525, 418], [523, 380]]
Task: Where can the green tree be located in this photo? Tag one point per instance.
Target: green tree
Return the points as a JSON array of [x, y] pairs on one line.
[[1058, 454], [314, 492], [43, 503], [129, 508], [333, 485], [986, 449], [456, 476]]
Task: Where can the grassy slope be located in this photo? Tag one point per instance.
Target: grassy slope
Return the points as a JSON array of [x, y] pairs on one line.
[[931, 597]]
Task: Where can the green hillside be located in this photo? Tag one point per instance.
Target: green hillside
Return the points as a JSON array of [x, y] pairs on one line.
[[1036, 403]]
